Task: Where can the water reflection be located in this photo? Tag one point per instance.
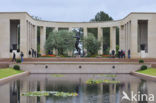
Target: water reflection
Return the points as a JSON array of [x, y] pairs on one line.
[[98, 93]]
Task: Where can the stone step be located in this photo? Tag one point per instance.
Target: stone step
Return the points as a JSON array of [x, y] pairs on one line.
[[153, 65], [4, 65]]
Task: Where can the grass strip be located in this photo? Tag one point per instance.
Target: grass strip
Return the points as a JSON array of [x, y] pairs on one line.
[[8, 72]]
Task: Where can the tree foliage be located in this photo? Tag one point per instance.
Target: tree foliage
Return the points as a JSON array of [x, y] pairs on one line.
[[91, 44], [61, 40], [102, 16], [93, 31], [36, 17]]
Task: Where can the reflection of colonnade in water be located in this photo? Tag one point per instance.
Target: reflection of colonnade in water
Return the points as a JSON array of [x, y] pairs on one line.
[[111, 93], [102, 93], [28, 86]]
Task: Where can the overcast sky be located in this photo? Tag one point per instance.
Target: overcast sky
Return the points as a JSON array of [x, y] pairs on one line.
[[77, 10]]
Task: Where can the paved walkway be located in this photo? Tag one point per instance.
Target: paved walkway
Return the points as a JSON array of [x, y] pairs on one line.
[[102, 60], [77, 62], [81, 60]]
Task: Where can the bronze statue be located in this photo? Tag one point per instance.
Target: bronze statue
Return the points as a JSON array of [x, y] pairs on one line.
[[77, 43]]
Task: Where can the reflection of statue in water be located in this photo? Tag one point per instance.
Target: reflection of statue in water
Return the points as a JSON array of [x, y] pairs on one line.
[[77, 43]]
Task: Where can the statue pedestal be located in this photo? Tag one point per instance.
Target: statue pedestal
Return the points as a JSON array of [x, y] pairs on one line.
[[78, 56], [17, 54], [143, 54]]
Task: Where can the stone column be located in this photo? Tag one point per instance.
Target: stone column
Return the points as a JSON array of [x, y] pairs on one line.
[[85, 32], [100, 38], [35, 38], [70, 52], [85, 35], [125, 37], [23, 37], [27, 36], [31, 32], [128, 38], [112, 38], [42, 40], [32, 40], [129, 35], [5, 38], [32, 37], [55, 28], [55, 51], [134, 39], [121, 37]]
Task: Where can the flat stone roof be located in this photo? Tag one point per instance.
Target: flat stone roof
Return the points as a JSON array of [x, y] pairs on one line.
[[77, 22]]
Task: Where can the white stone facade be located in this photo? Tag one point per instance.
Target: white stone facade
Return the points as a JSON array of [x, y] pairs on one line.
[[128, 32]]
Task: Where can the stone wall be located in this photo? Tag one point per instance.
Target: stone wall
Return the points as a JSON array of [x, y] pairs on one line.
[[80, 67]]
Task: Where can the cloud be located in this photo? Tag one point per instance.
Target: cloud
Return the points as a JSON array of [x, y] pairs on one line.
[[77, 10]]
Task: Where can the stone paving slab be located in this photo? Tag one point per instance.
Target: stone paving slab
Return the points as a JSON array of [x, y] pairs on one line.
[[83, 59]]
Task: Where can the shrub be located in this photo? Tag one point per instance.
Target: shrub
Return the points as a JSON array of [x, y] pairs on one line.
[[65, 55], [61, 40], [106, 56], [16, 67], [18, 60], [48, 55], [95, 55], [91, 44], [141, 61], [143, 67], [38, 55]]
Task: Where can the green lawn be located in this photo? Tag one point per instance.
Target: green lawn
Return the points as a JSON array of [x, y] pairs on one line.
[[149, 71], [8, 72]]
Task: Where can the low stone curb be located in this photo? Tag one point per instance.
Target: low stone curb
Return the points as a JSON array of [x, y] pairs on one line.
[[144, 76], [12, 77]]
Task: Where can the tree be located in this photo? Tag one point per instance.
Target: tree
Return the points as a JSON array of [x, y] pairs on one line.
[[36, 17], [91, 44], [102, 16], [61, 40]]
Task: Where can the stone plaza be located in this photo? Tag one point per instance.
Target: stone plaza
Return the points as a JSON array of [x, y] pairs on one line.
[[137, 33]]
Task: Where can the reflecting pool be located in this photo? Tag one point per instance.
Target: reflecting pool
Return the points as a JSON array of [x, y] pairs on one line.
[[95, 93]]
